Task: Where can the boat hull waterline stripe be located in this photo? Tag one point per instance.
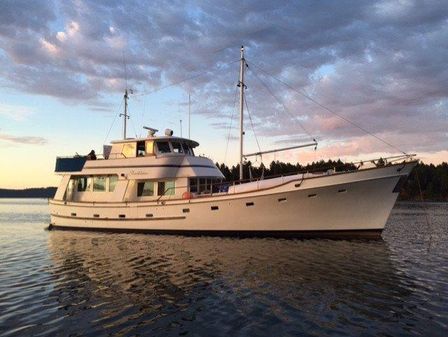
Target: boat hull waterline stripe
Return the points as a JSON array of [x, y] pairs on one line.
[[340, 233]]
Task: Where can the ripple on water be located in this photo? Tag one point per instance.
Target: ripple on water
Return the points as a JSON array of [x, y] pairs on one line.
[[63, 283]]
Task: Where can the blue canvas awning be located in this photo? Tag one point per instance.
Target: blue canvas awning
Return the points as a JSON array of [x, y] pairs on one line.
[[70, 164]]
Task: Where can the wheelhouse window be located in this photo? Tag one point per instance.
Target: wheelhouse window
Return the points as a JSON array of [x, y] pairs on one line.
[[166, 187], [112, 183], [177, 147], [187, 149], [145, 189], [141, 149], [82, 184], [206, 185], [163, 147], [193, 185], [99, 184]]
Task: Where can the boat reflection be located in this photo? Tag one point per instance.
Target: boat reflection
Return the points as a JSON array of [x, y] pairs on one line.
[[136, 281]]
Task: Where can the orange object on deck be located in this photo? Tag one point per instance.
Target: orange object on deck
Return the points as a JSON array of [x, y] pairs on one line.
[[187, 195]]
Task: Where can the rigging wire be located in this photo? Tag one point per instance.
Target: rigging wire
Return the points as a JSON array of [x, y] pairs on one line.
[[230, 123], [252, 124], [282, 104], [181, 81], [330, 110], [113, 122]]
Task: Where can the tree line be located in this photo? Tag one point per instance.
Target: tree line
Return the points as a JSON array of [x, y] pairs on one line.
[[433, 180]]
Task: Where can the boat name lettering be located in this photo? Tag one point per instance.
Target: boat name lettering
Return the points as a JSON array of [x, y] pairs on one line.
[[138, 172]]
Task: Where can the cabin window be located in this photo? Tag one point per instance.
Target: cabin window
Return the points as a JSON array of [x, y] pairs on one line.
[[149, 147], [163, 147], [129, 150], [177, 147], [99, 184], [145, 189], [81, 183], [84, 184], [112, 183], [165, 187], [141, 149], [193, 185], [205, 185]]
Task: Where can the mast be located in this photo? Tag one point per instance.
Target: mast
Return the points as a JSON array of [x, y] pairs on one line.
[[242, 87], [125, 114]]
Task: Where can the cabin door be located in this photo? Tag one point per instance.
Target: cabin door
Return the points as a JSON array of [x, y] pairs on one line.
[[70, 190]]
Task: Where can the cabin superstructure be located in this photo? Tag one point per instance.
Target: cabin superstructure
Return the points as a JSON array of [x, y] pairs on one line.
[[138, 170]]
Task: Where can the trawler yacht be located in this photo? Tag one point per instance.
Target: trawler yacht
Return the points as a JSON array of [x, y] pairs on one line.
[[157, 184]]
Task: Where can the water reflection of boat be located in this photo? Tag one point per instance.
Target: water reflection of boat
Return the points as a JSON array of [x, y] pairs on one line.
[[155, 280]]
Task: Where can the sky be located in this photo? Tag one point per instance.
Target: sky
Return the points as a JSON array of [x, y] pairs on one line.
[[64, 66]]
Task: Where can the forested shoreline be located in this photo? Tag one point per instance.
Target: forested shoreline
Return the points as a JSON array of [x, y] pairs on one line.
[[433, 178]]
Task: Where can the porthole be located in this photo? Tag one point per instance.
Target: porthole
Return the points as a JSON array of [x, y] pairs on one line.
[[73, 214], [249, 204], [122, 216], [343, 190], [149, 215], [312, 195], [186, 210], [96, 215], [214, 208], [282, 200]]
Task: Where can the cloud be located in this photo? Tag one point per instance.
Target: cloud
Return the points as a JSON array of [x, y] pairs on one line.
[[15, 112], [381, 64], [30, 140]]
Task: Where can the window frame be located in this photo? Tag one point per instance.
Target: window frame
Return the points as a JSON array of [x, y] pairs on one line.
[[109, 184], [97, 178], [170, 190], [180, 146], [140, 192], [169, 145]]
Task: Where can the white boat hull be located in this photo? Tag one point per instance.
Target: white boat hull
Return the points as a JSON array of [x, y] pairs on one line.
[[344, 203]]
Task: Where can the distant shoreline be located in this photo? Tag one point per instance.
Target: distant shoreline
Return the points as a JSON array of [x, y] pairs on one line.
[[38, 192]]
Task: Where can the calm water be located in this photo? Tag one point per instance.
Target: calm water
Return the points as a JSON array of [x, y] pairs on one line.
[[61, 283]]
